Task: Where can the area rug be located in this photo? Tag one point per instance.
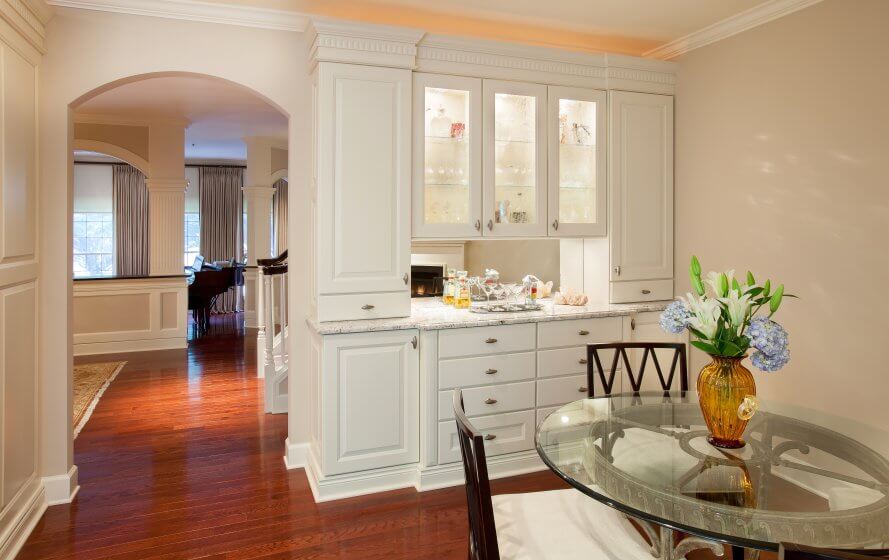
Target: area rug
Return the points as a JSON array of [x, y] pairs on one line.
[[90, 382]]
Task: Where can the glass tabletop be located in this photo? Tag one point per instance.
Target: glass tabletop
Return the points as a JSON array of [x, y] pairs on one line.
[[804, 476]]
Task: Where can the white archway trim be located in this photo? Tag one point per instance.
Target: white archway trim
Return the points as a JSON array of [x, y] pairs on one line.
[[278, 175], [114, 151]]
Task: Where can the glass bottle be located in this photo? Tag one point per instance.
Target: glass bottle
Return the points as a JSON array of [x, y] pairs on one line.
[[440, 126], [463, 298], [447, 296]]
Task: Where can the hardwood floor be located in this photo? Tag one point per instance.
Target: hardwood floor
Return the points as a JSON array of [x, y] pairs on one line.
[[179, 461]]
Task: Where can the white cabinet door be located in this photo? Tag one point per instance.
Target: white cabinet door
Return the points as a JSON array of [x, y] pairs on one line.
[[447, 152], [577, 165], [641, 172], [364, 130], [514, 159], [370, 400]]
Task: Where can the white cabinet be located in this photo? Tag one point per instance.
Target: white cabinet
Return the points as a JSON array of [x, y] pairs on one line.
[[514, 159], [577, 165], [369, 401], [363, 200], [447, 144], [641, 182]]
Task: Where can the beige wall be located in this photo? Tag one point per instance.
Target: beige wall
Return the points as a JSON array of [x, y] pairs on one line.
[[515, 258], [132, 138], [782, 142]]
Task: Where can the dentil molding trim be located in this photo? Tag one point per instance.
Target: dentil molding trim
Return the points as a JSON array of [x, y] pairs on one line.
[[754, 17], [333, 40], [195, 10], [28, 18]]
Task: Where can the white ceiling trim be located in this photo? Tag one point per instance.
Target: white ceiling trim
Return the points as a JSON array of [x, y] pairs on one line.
[[195, 10], [754, 17]]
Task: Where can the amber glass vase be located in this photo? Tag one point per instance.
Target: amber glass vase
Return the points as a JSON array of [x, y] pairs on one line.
[[724, 385]]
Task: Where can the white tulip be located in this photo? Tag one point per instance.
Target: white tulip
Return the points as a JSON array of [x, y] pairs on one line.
[[737, 306], [705, 314]]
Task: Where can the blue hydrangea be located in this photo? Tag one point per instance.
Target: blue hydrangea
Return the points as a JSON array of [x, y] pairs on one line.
[[767, 362], [675, 317], [767, 336]]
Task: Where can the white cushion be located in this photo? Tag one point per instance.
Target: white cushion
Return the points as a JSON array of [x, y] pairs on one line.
[[561, 525], [651, 457]]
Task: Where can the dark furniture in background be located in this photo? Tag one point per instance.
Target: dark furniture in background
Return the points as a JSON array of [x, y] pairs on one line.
[[208, 284], [595, 369]]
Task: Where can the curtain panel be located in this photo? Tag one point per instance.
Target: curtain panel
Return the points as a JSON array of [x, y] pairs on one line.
[[279, 213], [130, 197], [222, 208]]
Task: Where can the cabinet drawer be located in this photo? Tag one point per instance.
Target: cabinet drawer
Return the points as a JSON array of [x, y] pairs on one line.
[[641, 290], [349, 307], [456, 343], [485, 370], [542, 413], [491, 399], [561, 390], [512, 432], [578, 332]]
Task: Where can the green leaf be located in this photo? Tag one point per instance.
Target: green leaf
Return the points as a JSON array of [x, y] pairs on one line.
[[753, 292], [775, 302], [695, 266], [750, 280], [736, 285], [698, 285], [723, 285], [708, 348], [697, 333], [732, 349]]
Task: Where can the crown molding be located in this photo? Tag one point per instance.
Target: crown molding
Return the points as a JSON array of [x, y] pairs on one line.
[[28, 19], [754, 17], [195, 10], [332, 40]]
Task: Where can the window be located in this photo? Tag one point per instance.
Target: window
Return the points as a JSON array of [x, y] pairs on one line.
[[192, 236], [93, 243]]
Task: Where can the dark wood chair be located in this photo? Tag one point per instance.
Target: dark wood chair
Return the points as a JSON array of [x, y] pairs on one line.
[[564, 524], [649, 354], [790, 551]]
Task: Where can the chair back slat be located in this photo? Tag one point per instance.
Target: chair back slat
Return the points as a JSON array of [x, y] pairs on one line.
[[789, 551], [607, 379], [482, 531]]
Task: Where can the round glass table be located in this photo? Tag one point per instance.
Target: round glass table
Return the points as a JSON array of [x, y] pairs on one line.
[[803, 476]]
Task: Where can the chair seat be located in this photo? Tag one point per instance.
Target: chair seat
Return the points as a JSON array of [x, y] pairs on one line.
[[562, 525], [651, 457]]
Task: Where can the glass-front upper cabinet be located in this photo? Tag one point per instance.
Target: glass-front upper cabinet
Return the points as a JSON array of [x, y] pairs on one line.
[[515, 159], [447, 179], [577, 168]]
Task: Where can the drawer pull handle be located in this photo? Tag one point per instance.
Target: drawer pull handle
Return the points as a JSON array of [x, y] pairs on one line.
[[582, 361], [414, 342], [491, 371], [489, 437], [583, 333], [367, 307], [489, 400], [582, 390], [490, 340], [405, 278], [646, 292]]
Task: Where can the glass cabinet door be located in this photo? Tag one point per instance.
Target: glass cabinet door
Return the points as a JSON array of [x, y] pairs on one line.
[[447, 156], [577, 168], [515, 159]]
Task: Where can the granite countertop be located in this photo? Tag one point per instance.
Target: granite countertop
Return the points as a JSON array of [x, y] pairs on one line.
[[432, 314]]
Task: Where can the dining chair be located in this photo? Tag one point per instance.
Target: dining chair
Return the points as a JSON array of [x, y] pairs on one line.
[[594, 365], [790, 551], [554, 524]]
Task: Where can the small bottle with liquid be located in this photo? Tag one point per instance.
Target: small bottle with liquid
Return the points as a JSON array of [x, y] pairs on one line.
[[463, 299], [449, 288]]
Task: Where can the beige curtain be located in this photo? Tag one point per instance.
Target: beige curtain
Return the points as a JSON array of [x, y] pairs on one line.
[[221, 218], [279, 214], [130, 221]]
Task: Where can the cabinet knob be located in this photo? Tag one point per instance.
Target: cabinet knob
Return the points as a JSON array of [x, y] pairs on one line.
[[582, 361], [633, 324], [582, 390], [583, 333], [491, 371], [478, 225], [646, 292], [405, 278], [367, 307], [490, 225], [555, 224], [489, 400], [489, 437], [490, 340], [616, 270]]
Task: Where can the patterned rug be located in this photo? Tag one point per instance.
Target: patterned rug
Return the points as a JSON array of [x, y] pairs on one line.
[[90, 381]]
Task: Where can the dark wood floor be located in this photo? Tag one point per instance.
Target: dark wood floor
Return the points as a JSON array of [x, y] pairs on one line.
[[179, 461]]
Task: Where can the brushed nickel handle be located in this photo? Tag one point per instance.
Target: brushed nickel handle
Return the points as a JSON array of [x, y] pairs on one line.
[[367, 307], [405, 278], [478, 225], [490, 340], [646, 292], [583, 333], [633, 324], [582, 361], [617, 270], [489, 400], [489, 437], [491, 371], [414, 342], [490, 225], [556, 225], [582, 390]]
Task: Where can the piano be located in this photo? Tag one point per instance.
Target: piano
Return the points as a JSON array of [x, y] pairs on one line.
[[206, 283]]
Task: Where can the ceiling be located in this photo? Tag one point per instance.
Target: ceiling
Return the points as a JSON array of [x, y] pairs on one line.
[[220, 113]]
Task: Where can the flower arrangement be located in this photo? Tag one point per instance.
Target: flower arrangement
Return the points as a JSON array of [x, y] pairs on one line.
[[722, 315]]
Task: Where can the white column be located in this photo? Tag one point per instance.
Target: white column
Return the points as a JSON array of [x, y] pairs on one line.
[[166, 225], [259, 222]]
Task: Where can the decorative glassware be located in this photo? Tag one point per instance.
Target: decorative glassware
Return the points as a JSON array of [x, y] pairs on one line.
[[726, 392]]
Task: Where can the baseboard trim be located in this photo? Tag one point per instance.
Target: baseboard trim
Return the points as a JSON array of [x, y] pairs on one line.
[[295, 454], [119, 346], [12, 541], [61, 489], [445, 476]]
